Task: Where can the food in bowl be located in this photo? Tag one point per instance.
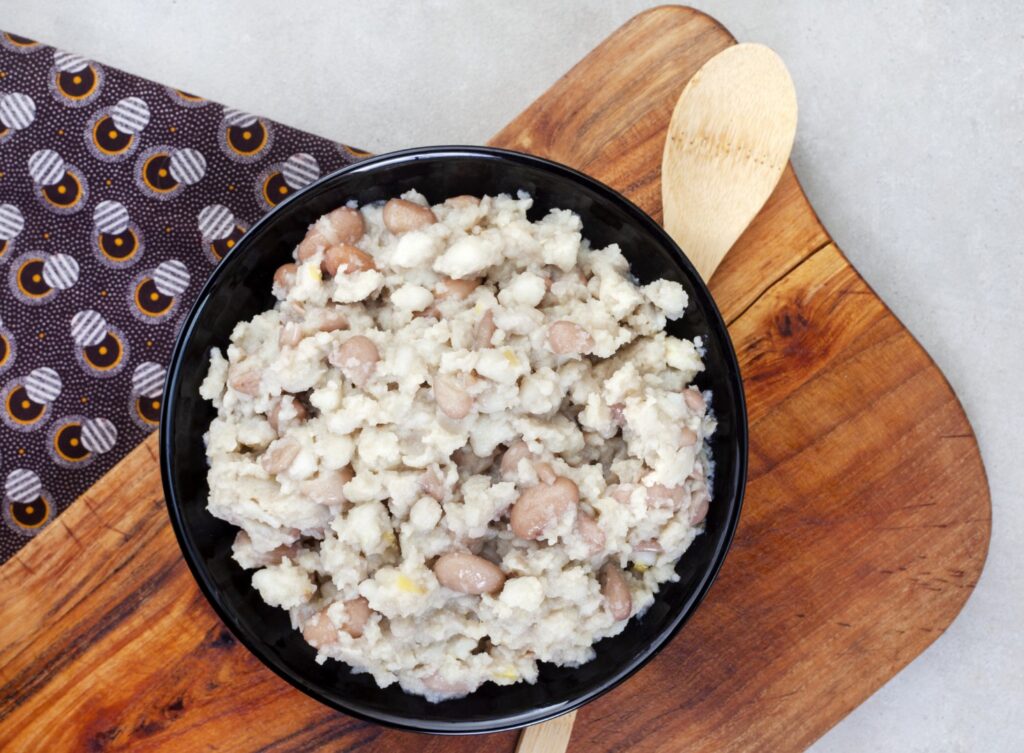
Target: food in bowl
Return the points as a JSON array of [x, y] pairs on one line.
[[460, 443]]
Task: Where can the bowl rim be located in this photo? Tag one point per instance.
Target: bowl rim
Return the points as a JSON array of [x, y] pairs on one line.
[[639, 659]]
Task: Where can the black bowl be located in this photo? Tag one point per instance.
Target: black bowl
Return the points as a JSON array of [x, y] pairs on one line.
[[240, 288]]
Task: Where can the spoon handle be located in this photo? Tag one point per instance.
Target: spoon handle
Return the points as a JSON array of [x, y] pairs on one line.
[[549, 737]]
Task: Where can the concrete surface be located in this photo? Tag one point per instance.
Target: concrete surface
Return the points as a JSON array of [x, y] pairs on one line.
[[911, 147]]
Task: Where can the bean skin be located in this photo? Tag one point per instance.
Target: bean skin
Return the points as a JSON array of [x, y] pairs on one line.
[[357, 358], [485, 330], [328, 487], [279, 456], [568, 338], [274, 415], [694, 400], [453, 401], [346, 258], [510, 460], [401, 216], [245, 380], [590, 532], [312, 243], [541, 506], [284, 277], [468, 574], [457, 289], [462, 201], [320, 632], [347, 224], [615, 591]]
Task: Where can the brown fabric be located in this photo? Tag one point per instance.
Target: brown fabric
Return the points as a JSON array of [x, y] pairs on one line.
[[118, 196]]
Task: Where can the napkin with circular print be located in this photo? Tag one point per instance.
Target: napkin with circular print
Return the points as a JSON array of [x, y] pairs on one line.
[[118, 196]]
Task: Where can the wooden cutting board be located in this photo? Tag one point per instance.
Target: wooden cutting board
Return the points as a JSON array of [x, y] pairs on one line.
[[865, 528]]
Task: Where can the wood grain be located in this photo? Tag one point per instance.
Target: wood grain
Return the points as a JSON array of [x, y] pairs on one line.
[[727, 144], [865, 528]]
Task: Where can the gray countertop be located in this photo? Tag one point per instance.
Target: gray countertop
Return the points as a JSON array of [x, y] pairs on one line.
[[910, 146]]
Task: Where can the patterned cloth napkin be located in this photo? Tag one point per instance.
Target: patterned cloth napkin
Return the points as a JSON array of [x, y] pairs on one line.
[[118, 196]]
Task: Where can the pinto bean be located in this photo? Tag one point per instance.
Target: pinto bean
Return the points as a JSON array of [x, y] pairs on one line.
[[313, 242], [462, 201], [545, 473], [485, 330], [279, 456], [694, 400], [568, 338], [320, 632], [699, 510], [468, 574], [245, 379], [346, 258], [401, 216], [347, 224], [432, 483], [453, 401], [290, 335], [541, 506], [591, 533], [615, 591], [274, 415], [357, 358], [332, 320], [510, 460], [457, 289], [660, 495], [284, 277], [328, 488]]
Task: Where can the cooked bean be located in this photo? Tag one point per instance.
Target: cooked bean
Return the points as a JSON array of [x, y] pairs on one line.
[[700, 508], [274, 414], [401, 216], [453, 401], [462, 202], [432, 483], [485, 330], [648, 545], [468, 574], [510, 460], [245, 379], [328, 488], [615, 591], [457, 289], [589, 530], [284, 277], [687, 437], [347, 224], [279, 456], [438, 684], [313, 242], [621, 492], [357, 358], [332, 320], [541, 506], [357, 614], [319, 631], [568, 338], [347, 258], [545, 473], [694, 399], [660, 495], [290, 336]]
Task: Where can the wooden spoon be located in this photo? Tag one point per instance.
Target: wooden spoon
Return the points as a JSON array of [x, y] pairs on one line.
[[727, 145]]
